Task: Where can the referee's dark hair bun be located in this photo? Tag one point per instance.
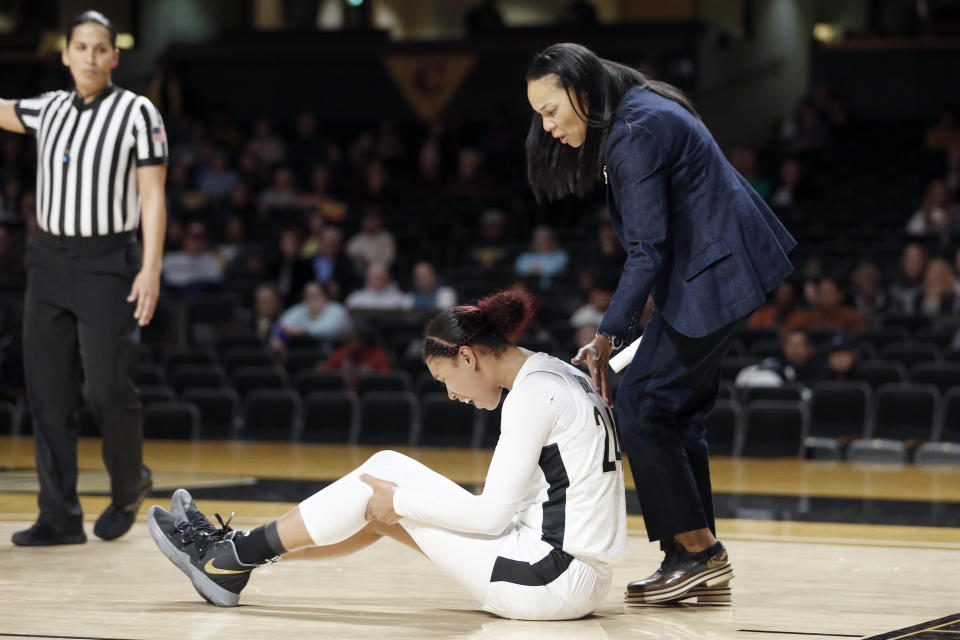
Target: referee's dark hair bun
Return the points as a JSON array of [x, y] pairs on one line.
[[508, 312], [493, 322]]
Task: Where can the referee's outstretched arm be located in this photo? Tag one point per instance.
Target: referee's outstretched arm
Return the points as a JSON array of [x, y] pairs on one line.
[[8, 117], [153, 222]]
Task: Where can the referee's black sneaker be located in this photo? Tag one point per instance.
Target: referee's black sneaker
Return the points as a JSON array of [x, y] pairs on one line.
[[116, 521], [205, 553], [47, 532]]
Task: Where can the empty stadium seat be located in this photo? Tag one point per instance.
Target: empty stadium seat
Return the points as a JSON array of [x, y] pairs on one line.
[[331, 416], [905, 411], [309, 381], [271, 414], [247, 379], [445, 422], [774, 428], [910, 353], [171, 420], [219, 411], [880, 372], [724, 427], [197, 376], [388, 417], [389, 381], [942, 375]]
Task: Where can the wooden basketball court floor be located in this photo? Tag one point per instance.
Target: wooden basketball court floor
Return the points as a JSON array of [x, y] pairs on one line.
[[820, 550]]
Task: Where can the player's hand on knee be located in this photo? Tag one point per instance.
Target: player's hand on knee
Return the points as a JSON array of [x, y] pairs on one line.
[[380, 506]]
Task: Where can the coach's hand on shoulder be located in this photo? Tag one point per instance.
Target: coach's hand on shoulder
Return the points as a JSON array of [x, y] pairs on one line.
[[380, 507], [596, 355], [145, 291]]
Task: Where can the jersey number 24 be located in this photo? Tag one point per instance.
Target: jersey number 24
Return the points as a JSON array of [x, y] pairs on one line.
[[612, 441]]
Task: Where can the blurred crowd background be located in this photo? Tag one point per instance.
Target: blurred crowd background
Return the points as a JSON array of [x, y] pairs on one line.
[[341, 170]]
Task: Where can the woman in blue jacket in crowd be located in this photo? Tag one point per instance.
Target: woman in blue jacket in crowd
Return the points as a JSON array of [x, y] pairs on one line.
[[700, 241]]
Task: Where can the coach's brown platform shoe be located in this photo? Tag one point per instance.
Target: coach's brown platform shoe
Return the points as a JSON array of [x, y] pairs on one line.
[[682, 575]]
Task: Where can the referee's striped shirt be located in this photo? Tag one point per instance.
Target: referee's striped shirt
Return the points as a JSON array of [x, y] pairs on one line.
[[87, 156]]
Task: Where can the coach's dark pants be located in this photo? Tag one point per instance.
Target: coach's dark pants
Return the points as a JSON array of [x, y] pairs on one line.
[[662, 401], [79, 336]]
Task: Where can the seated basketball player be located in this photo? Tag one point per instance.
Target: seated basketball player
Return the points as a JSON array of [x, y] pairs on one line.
[[537, 544]]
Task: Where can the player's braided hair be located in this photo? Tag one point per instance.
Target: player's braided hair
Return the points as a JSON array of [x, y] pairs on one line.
[[493, 322]]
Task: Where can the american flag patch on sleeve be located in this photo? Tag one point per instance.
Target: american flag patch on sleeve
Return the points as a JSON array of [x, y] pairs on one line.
[[158, 135]]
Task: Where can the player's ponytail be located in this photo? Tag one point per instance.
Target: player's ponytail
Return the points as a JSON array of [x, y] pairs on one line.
[[493, 322]]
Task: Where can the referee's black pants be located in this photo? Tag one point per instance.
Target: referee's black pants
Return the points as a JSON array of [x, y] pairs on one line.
[[80, 337], [665, 395]]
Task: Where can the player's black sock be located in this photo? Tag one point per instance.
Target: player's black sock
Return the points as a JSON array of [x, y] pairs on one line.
[[259, 545]]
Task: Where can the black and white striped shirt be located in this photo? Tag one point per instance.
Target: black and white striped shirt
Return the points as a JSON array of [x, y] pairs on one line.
[[87, 156]]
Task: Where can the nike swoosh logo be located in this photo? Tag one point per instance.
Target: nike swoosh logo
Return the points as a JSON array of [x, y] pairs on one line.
[[209, 568]]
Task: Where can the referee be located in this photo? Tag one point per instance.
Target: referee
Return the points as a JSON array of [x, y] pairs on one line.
[[101, 166]]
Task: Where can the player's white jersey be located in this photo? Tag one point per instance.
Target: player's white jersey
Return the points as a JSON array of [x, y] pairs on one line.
[[576, 496]]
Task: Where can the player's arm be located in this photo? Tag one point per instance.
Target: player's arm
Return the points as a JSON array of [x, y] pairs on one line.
[[8, 117], [528, 418], [153, 221]]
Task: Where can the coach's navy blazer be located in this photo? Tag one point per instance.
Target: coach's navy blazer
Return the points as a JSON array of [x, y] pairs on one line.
[[696, 233]]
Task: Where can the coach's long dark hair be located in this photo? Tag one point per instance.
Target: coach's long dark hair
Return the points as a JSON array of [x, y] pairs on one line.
[[494, 323], [595, 87], [97, 18]]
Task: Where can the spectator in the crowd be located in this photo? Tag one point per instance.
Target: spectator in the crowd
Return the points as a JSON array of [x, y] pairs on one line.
[[308, 147], [373, 243], [375, 187], [608, 255], [490, 250], [544, 260], [869, 297], [265, 145], [951, 175], [806, 132], [779, 312], [469, 180], [484, 18], [946, 131], [913, 264], [601, 293], [939, 294], [239, 203], [744, 160], [11, 259], [427, 291], [843, 358], [800, 358], [314, 240], [830, 311], [785, 194], [358, 356], [218, 179], [332, 264], [832, 111], [380, 291], [321, 199], [234, 243], [389, 145], [266, 310], [281, 195], [430, 179], [195, 267], [318, 316], [936, 214], [292, 271]]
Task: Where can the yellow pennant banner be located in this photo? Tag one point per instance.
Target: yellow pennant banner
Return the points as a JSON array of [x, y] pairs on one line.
[[429, 81]]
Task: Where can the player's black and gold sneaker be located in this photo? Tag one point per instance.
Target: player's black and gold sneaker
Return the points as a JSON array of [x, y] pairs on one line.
[[205, 553]]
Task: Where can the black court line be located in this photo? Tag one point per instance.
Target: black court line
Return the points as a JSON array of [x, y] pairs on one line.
[[34, 635], [926, 630], [801, 633]]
